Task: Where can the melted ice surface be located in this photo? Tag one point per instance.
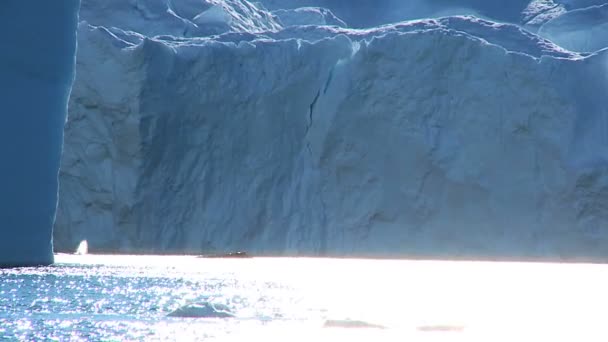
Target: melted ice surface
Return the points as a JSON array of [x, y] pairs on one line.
[[95, 297]]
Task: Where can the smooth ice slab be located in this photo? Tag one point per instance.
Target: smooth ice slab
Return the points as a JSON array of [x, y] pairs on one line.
[[36, 73]]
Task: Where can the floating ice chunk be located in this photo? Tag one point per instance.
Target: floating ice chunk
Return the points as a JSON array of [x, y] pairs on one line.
[[203, 310], [347, 323], [83, 248]]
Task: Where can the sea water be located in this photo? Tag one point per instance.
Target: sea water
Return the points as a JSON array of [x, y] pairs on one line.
[[129, 298]]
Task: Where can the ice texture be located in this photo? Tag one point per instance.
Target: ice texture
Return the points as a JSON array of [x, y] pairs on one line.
[[539, 12], [187, 18], [36, 74], [583, 29], [365, 13], [446, 137], [308, 16]]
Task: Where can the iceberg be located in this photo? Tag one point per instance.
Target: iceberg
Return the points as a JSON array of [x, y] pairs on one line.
[[440, 137], [203, 310], [36, 74]]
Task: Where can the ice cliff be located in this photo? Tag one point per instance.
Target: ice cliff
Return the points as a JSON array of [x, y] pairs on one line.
[[255, 129], [36, 73]]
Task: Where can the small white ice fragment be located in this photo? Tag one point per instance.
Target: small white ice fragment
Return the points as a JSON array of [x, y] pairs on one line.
[[83, 248]]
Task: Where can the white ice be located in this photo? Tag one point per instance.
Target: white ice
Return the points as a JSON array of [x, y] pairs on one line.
[[451, 137]]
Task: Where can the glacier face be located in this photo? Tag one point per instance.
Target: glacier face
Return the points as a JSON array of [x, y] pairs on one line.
[[455, 136], [36, 73]]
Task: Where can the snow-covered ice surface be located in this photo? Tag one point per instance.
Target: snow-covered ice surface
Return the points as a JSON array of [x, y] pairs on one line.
[[126, 298], [578, 4], [364, 13], [36, 72], [308, 16], [447, 137], [177, 18], [584, 29], [539, 12]]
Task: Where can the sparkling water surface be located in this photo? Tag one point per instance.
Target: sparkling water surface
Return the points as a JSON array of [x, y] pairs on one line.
[[128, 298]]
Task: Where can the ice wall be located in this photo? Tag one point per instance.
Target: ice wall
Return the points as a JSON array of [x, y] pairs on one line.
[[448, 137], [36, 73]]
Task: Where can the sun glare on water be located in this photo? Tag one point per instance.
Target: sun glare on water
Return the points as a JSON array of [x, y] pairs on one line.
[[112, 297]]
